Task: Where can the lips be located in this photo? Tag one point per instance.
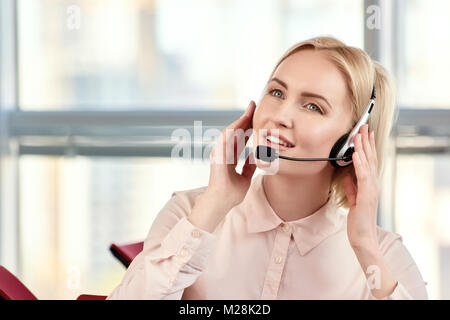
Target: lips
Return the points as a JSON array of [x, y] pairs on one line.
[[278, 147], [275, 144]]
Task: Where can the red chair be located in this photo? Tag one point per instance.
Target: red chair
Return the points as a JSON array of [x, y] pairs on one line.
[[126, 253], [91, 297], [12, 288]]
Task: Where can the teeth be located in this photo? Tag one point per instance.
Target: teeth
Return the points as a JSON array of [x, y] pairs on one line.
[[278, 141]]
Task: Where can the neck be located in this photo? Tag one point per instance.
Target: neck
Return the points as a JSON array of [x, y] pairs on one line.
[[294, 199]]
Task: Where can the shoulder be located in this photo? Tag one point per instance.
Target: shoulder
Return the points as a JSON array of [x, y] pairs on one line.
[[186, 198]]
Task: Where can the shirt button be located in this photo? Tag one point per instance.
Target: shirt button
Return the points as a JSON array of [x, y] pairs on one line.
[[196, 233], [286, 228], [184, 252], [278, 260]]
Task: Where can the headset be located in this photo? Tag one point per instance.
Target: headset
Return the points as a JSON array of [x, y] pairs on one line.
[[340, 154]]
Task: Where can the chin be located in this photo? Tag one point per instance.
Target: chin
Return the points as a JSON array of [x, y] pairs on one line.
[[268, 167], [280, 168]]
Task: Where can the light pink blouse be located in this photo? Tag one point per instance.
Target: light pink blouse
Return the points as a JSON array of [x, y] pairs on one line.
[[253, 254]]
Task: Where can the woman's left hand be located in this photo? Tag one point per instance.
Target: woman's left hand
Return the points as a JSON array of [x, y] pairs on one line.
[[363, 199]]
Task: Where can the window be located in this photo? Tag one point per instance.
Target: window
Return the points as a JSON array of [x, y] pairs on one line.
[[168, 55], [81, 184], [423, 53], [72, 209], [85, 130]]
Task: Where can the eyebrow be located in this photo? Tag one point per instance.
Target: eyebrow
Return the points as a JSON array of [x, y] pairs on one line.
[[304, 94]]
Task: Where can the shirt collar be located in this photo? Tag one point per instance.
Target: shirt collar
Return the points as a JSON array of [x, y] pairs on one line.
[[308, 232]]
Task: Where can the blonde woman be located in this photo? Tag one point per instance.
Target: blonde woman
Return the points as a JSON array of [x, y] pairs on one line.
[[307, 231]]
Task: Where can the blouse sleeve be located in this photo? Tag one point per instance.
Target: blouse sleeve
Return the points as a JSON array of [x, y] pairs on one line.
[[174, 255], [410, 284]]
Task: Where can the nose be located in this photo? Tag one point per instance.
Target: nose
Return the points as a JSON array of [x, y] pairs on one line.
[[283, 117]]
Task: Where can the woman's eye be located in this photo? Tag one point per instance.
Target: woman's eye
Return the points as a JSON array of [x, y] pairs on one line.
[[274, 91], [309, 104], [317, 108]]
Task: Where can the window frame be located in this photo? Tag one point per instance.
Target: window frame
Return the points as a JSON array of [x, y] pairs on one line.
[[41, 132]]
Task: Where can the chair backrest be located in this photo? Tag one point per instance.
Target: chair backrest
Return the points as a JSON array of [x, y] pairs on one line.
[[126, 253], [11, 288]]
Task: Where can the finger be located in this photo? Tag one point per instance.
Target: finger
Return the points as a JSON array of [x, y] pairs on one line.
[[360, 170], [367, 147], [249, 167], [374, 148], [360, 150], [246, 120], [356, 163], [246, 135], [364, 186], [236, 135], [238, 144]]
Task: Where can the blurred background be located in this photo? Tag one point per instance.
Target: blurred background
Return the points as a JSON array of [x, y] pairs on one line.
[[92, 90]]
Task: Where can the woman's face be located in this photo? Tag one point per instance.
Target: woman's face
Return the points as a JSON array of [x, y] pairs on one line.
[[291, 104]]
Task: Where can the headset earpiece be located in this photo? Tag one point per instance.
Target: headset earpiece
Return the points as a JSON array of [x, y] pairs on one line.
[[346, 150], [337, 147]]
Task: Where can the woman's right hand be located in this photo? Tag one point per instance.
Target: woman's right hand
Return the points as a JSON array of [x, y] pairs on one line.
[[226, 187], [225, 184]]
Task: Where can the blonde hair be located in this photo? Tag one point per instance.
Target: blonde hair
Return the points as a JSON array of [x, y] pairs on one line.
[[361, 73]]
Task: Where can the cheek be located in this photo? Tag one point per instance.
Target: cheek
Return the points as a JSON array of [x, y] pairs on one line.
[[321, 133], [255, 121], [316, 137], [265, 113]]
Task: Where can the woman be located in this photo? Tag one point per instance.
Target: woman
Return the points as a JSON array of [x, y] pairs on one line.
[[306, 231]]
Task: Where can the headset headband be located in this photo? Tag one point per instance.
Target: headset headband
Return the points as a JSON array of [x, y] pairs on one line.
[[348, 147]]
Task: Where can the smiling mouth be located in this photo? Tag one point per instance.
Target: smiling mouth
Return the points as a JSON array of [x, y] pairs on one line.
[[277, 143]]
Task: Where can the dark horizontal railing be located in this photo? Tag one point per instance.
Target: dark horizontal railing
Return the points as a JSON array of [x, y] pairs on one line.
[[148, 133]]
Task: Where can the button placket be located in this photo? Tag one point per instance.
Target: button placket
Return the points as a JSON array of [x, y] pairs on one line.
[[276, 265], [286, 228]]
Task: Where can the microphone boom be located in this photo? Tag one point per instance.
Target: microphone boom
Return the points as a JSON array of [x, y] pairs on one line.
[[269, 154]]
